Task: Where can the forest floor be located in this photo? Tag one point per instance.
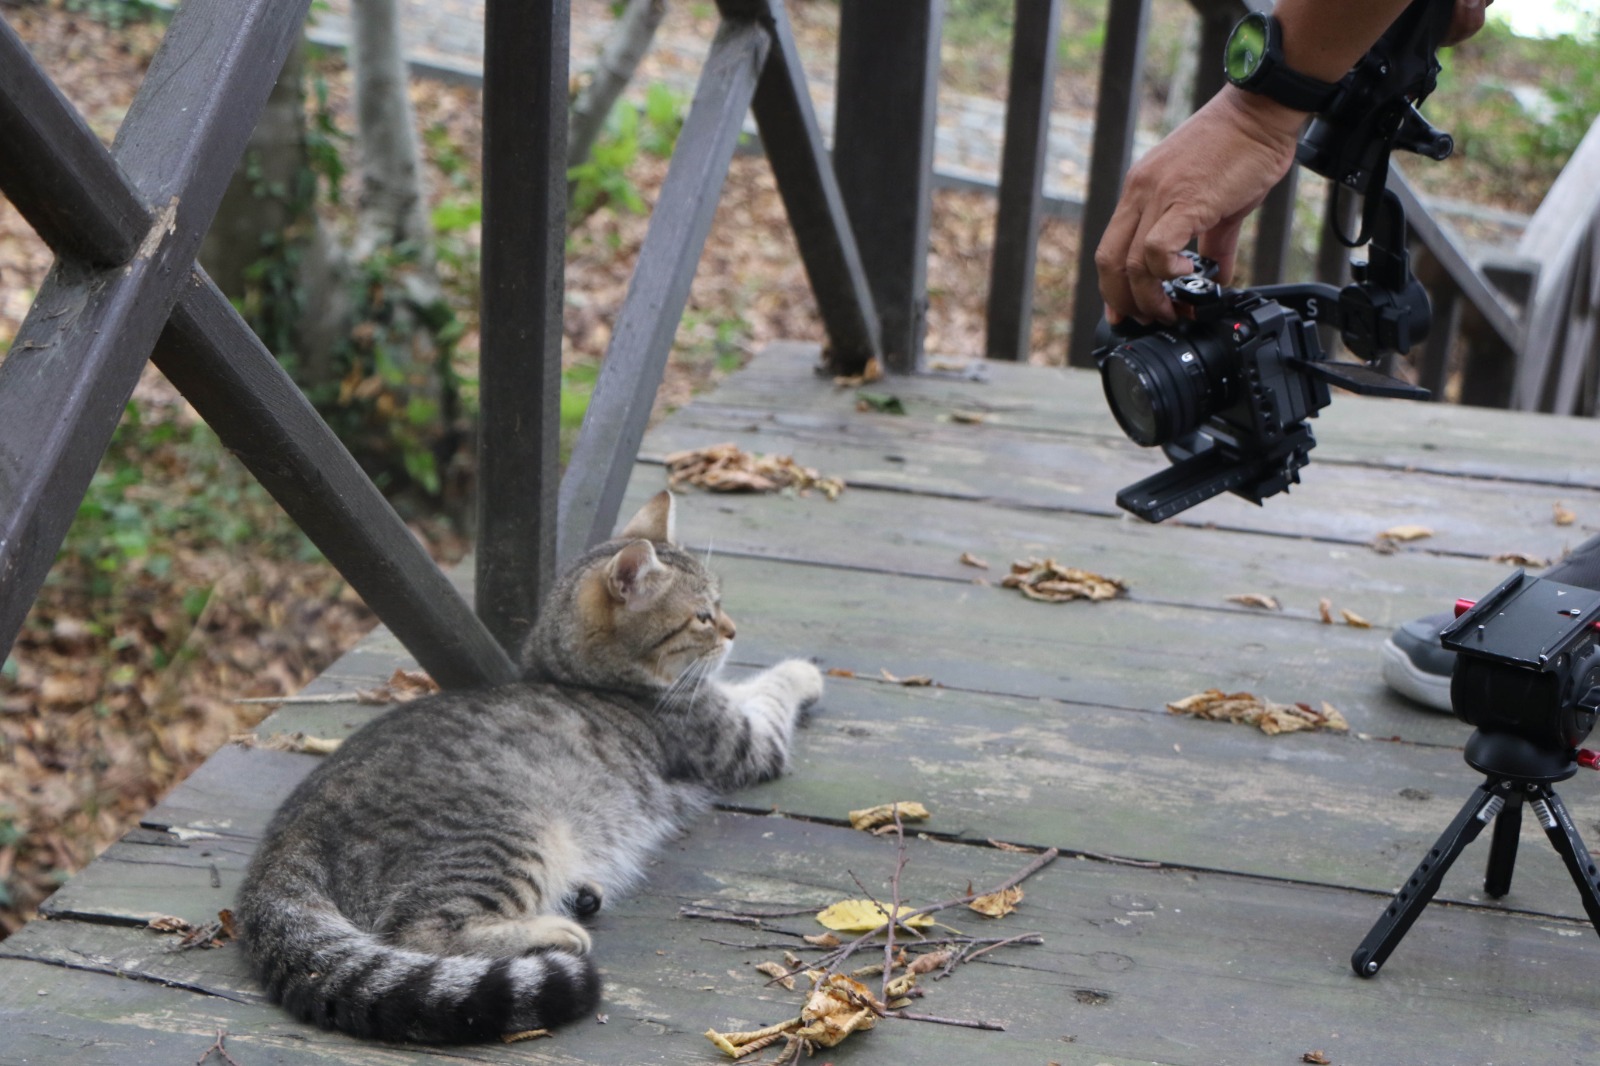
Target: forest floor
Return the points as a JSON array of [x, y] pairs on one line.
[[182, 588]]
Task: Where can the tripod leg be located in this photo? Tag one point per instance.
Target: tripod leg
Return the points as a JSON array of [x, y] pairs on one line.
[[1563, 834], [1503, 845], [1384, 937]]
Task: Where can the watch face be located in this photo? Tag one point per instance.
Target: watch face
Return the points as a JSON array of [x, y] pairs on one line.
[[1246, 47]]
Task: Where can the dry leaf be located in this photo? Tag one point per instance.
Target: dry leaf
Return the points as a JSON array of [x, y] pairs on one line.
[[1003, 846], [930, 962], [968, 559], [1533, 562], [726, 468], [738, 1045], [863, 916], [998, 904], [822, 940], [1325, 608], [526, 1034], [873, 371], [1563, 516], [168, 923], [883, 814], [968, 418], [838, 1007], [1256, 599], [1405, 533], [839, 671], [1353, 619], [296, 742], [1248, 709], [1047, 580], [1316, 1058], [914, 681], [778, 973]]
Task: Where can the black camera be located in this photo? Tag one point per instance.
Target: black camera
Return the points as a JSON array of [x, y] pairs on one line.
[[1226, 391], [1528, 662]]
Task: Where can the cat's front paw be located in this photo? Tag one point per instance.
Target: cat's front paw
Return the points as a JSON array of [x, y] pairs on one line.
[[802, 679]]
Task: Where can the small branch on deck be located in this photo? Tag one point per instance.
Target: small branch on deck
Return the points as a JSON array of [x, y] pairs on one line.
[[894, 909], [218, 1046], [965, 1023]]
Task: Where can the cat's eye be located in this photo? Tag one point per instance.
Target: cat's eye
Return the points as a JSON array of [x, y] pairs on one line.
[[703, 616]]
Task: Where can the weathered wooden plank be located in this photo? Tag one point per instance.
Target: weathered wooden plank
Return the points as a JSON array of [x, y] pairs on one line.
[[525, 91], [1120, 654], [1189, 565], [883, 126], [1120, 943], [602, 457], [1329, 809], [1338, 503], [1437, 438], [793, 145], [1009, 316]]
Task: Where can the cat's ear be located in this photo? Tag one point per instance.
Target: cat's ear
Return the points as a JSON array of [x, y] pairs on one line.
[[656, 520], [635, 577]]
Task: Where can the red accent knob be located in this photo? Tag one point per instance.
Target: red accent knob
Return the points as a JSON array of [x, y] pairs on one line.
[[1463, 606], [1589, 759]]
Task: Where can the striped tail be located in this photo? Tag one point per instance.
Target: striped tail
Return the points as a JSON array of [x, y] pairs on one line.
[[324, 970]]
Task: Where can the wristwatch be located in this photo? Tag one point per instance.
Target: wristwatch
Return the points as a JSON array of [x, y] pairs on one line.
[[1254, 62]]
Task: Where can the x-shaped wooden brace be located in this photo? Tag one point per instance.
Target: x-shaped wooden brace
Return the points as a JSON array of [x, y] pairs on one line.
[[125, 227]]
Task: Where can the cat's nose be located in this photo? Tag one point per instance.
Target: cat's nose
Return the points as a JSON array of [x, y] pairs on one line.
[[725, 627]]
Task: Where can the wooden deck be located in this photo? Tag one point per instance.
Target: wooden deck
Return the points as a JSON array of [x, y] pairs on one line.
[[1263, 860]]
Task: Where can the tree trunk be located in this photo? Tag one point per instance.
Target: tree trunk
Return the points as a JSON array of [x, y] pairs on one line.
[[268, 248], [393, 204], [625, 47]]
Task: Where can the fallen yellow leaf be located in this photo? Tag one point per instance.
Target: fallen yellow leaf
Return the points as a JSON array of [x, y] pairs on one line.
[[1256, 599], [1353, 619], [863, 916], [1404, 533], [968, 559], [998, 904], [1325, 608], [1563, 516], [883, 814]]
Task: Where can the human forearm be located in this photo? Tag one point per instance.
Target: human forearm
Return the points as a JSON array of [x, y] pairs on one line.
[[1323, 38]]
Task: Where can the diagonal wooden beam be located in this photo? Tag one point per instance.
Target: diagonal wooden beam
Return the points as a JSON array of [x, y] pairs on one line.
[[793, 144], [209, 352], [608, 442]]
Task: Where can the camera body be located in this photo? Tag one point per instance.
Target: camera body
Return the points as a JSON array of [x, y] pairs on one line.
[[1225, 394], [1528, 662]]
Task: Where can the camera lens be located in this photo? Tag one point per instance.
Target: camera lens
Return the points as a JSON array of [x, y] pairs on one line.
[[1161, 387]]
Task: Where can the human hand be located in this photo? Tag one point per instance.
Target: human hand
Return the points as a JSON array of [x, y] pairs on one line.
[[1467, 21], [1200, 182]]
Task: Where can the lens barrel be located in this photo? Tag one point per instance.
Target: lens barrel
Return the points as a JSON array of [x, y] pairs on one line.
[[1162, 386]]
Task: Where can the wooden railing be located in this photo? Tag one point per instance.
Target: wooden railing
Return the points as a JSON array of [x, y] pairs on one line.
[[125, 226]]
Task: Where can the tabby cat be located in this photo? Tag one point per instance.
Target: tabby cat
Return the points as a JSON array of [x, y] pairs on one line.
[[425, 882]]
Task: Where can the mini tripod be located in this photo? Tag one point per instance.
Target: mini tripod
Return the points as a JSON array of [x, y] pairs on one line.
[[1516, 771]]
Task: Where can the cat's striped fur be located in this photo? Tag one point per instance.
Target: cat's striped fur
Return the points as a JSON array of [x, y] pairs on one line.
[[424, 883]]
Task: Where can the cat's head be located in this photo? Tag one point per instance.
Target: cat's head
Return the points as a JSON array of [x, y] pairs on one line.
[[635, 612]]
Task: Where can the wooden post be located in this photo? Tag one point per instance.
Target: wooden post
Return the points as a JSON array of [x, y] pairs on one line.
[[883, 155], [1022, 163], [1116, 115], [524, 259]]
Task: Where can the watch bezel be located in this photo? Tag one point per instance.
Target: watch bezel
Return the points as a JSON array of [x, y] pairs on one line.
[[1271, 46]]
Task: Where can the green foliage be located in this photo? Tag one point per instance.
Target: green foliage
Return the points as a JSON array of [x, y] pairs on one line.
[[165, 486], [120, 13], [577, 386], [1518, 149], [603, 180]]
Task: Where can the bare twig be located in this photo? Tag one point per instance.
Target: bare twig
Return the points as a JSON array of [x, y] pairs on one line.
[[965, 1023], [894, 911], [719, 916], [1019, 938], [700, 911], [218, 1045]]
